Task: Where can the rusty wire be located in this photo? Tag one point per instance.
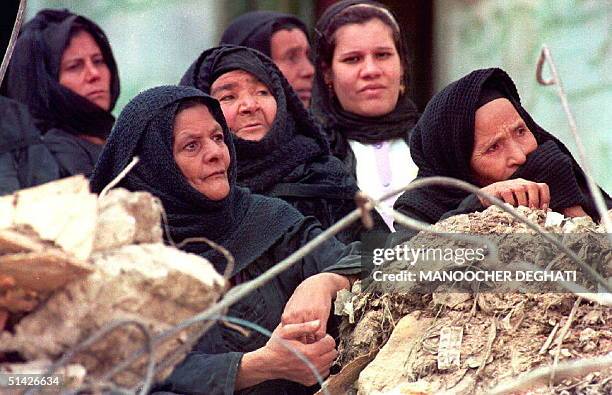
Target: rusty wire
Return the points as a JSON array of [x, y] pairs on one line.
[[237, 293], [546, 57]]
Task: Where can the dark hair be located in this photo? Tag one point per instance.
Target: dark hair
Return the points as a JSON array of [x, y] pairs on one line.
[[189, 103], [358, 14]]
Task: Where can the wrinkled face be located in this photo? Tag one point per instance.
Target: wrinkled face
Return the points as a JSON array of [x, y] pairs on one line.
[[248, 105], [200, 152], [290, 51], [502, 142], [84, 71], [366, 70]]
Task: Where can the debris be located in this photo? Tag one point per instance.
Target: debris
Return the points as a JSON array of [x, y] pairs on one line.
[[449, 347]]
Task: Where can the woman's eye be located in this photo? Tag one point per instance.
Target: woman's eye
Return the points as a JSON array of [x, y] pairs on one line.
[[492, 148], [383, 55], [218, 137], [521, 131], [351, 59], [263, 92], [191, 146], [72, 66], [98, 61], [226, 98]]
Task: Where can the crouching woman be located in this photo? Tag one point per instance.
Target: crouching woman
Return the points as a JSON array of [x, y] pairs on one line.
[[187, 159], [476, 130]]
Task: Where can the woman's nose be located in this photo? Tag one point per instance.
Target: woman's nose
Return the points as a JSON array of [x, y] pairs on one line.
[[248, 104], [518, 153], [370, 68], [91, 70]]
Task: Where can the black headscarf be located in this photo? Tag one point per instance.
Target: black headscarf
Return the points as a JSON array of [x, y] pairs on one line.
[[294, 138], [245, 224], [33, 75], [442, 142], [255, 29], [341, 125]]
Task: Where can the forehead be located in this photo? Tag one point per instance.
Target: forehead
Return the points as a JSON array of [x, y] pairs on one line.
[[197, 114], [495, 117], [233, 79], [82, 41], [289, 37], [370, 34]]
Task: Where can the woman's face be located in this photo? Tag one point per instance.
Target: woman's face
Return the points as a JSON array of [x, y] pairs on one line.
[[248, 105], [84, 71], [290, 51], [502, 142], [200, 151], [366, 69]]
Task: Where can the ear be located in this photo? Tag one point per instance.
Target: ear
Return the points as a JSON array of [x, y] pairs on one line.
[[327, 75]]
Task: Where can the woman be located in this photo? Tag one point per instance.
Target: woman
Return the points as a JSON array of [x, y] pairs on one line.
[[187, 159], [63, 69], [476, 130], [283, 38], [281, 151], [360, 95]]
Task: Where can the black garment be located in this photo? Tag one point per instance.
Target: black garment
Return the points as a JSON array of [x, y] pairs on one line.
[[442, 144], [292, 161], [257, 230], [24, 159], [33, 79], [255, 29], [74, 155], [340, 125]]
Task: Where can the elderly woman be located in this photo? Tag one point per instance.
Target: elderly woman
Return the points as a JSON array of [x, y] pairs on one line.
[[476, 130], [283, 38], [187, 159], [63, 69], [281, 152], [360, 95]]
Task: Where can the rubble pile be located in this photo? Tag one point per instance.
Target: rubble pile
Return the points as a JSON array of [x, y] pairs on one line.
[[458, 340], [72, 263]]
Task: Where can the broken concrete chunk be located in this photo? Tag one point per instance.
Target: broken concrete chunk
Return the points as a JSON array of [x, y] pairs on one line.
[[392, 365], [127, 218], [153, 283], [553, 219]]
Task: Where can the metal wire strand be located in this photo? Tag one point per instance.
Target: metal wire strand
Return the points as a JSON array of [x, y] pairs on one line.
[[546, 57], [99, 335], [10, 48]]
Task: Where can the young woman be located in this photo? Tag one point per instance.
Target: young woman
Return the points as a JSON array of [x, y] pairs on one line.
[[283, 38], [187, 159], [281, 151], [63, 69], [476, 130], [360, 95]]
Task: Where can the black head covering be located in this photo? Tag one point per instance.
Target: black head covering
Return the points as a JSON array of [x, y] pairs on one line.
[[33, 75], [294, 138], [441, 144], [246, 224], [255, 29], [341, 125]]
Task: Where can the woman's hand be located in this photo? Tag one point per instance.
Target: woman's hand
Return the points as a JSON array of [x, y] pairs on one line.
[[312, 300], [575, 211], [276, 361], [519, 192]]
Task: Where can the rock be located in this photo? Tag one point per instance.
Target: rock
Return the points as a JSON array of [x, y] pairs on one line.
[[127, 218], [153, 283], [391, 366]]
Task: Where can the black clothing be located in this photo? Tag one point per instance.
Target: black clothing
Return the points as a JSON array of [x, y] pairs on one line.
[[340, 125], [24, 159], [257, 230], [33, 79], [442, 144], [255, 29], [292, 161], [73, 155]]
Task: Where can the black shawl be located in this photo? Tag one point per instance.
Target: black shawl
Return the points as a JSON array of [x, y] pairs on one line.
[[255, 29], [341, 125], [33, 75], [244, 223], [442, 142]]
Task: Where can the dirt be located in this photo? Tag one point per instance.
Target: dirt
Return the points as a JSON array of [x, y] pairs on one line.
[[503, 334]]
